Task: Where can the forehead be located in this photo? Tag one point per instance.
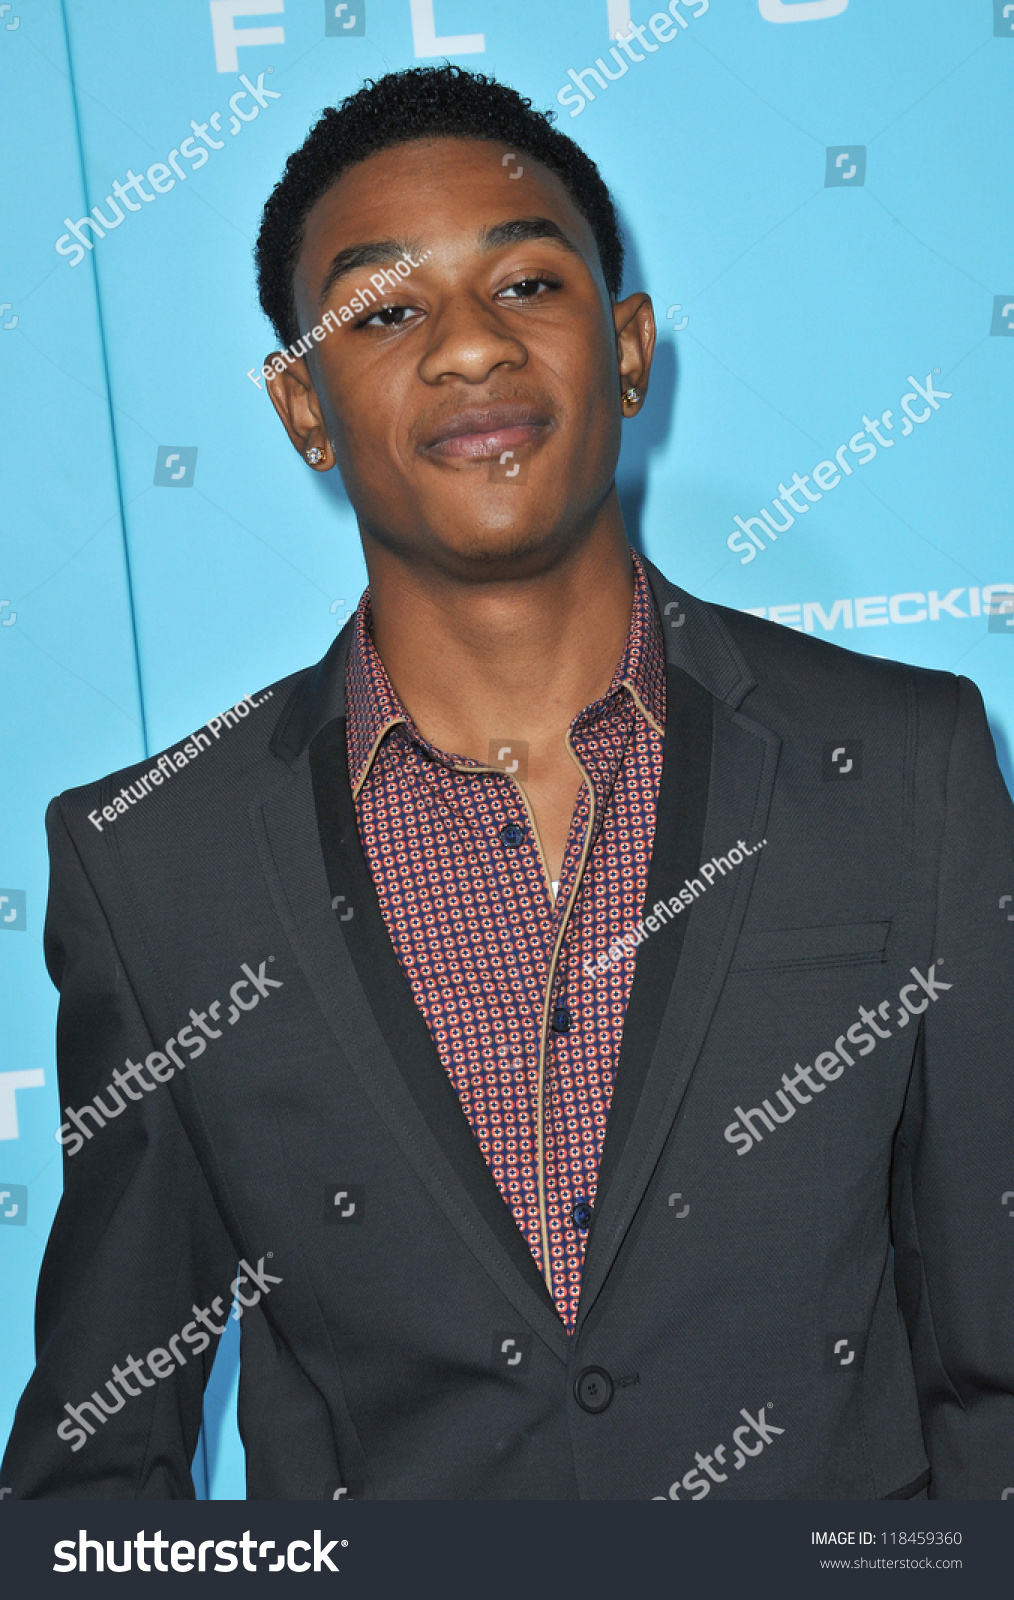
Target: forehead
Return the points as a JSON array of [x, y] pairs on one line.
[[436, 188]]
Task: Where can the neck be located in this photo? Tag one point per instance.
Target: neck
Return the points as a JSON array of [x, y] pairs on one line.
[[507, 659]]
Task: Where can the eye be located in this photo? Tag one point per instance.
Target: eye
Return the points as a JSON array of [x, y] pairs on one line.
[[528, 288], [388, 317]]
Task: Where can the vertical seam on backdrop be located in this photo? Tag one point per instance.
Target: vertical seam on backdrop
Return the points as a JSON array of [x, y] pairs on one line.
[[109, 391]]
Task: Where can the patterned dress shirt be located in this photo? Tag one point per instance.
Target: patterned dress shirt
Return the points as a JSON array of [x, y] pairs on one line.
[[523, 989]]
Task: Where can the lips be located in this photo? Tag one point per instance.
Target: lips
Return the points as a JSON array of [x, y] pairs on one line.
[[482, 432]]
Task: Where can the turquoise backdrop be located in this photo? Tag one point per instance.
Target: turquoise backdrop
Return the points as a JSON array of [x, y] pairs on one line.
[[817, 194]]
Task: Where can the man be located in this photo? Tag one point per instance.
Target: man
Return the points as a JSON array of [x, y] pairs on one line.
[[560, 998]]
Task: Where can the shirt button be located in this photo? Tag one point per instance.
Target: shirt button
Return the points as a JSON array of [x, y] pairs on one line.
[[581, 1215], [511, 835], [562, 1021], [593, 1389]]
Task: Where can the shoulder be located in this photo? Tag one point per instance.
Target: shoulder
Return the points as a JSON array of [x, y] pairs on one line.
[[785, 675], [803, 677], [212, 766]]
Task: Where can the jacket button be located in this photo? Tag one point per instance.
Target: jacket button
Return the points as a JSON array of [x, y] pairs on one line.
[[512, 835], [581, 1216], [562, 1021], [593, 1389]]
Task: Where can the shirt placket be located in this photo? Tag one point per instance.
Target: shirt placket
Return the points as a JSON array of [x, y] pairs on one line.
[[554, 919], [554, 1146], [493, 819]]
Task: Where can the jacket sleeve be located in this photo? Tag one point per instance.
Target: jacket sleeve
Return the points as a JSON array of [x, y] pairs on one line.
[[953, 1185], [136, 1246]]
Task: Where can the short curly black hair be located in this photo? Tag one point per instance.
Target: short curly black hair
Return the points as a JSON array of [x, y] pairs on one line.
[[419, 103]]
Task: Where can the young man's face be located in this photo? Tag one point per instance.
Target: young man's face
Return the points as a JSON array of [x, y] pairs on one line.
[[502, 340]]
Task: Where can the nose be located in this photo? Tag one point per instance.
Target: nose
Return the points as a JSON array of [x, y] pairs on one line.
[[468, 340]]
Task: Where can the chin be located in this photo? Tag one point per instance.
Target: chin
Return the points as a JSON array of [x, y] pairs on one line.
[[498, 548]]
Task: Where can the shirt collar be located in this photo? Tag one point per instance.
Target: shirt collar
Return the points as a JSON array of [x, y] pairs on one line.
[[374, 709], [640, 670]]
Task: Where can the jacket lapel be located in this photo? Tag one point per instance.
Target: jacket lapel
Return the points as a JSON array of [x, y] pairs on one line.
[[310, 858], [387, 992], [705, 806], [676, 854]]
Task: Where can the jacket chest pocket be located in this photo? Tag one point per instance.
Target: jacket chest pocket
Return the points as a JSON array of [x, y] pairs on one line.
[[837, 944]]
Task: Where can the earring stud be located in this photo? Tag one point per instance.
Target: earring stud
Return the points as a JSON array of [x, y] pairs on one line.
[[313, 455], [631, 397]]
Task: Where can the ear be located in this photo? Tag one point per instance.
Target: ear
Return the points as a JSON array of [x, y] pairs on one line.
[[295, 399], [634, 321]]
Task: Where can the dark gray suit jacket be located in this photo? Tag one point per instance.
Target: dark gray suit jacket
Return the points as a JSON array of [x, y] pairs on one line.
[[750, 1332]]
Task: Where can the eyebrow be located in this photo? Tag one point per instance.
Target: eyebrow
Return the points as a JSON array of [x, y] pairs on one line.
[[383, 252], [375, 253], [523, 229]]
